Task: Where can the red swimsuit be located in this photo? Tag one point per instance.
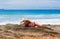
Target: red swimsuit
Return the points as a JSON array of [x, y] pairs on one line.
[[27, 23], [34, 24]]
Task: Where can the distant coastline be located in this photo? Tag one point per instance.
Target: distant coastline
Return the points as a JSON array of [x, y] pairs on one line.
[[30, 9], [2, 9]]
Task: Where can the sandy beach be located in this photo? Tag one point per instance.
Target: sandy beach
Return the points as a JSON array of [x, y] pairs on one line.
[[29, 19], [14, 31]]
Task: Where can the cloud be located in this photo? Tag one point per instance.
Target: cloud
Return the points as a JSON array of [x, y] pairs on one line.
[[30, 4]]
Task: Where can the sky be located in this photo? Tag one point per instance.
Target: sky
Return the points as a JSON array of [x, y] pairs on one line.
[[29, 4]]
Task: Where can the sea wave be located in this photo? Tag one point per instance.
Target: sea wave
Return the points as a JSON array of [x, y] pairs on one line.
[[40, 19]]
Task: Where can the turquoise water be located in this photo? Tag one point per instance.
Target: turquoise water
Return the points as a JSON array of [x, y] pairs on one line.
[[39, 16], [28, 12]]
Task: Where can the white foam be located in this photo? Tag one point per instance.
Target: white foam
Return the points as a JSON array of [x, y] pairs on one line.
[[40, 19]]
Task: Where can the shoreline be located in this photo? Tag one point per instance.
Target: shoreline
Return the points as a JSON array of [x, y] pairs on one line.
[[37, 23]]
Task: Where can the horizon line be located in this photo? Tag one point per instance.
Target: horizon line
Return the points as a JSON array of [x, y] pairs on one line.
[[29, 9]]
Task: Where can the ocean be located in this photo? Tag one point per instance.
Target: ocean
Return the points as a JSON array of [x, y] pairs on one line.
[[28, 12], [38, 16]]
